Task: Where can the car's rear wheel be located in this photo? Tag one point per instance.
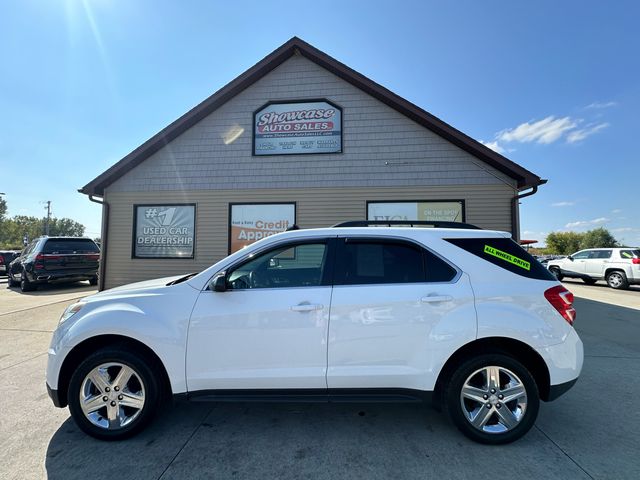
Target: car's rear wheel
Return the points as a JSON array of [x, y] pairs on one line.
[[113, 394], [25, 284], [556, 272], [589, 280], [617, 279], [492, 399]]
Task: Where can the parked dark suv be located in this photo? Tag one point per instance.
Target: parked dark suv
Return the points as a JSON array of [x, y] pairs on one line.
[[6, 257], [55, 259]]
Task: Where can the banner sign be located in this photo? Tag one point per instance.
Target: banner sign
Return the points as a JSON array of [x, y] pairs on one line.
[[507, 257], [164, 231], [297, 128], [450, 211], [250, 223]]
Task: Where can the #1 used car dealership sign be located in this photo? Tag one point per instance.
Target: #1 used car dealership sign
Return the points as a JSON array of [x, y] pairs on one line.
[[164, 231], [297, 128]]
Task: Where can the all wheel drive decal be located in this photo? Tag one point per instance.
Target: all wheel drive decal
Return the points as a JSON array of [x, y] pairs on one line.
[[507, 257]]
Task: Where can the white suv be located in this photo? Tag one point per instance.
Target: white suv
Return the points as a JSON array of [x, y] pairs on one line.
[[620, 267], [464, 317]]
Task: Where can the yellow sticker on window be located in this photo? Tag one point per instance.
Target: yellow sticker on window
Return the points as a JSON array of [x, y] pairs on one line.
[[507, 257]]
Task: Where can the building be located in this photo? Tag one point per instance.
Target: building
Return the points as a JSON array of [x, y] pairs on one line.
[[298, 138]]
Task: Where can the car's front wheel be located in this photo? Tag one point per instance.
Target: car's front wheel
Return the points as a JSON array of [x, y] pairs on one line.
[[113, 394], [492, 399]]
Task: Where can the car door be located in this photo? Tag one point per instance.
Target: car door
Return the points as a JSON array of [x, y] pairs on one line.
[[269, 329], [596, 263], [577, 262], [397, 312]]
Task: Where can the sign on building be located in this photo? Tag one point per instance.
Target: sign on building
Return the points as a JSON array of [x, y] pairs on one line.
[[252, 222], [164, 231], [449, 211], [297, 128]]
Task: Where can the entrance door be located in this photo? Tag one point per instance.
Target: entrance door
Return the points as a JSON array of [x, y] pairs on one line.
[[269, 329]]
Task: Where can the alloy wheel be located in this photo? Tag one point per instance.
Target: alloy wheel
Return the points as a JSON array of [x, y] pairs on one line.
[[493, 399], [615, 280], [112, 396]]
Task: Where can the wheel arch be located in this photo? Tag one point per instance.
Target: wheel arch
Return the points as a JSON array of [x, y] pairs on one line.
[[90, 345], [505, 345]]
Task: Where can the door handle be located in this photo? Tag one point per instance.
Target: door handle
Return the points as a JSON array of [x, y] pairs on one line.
[[436, 298], [306, 307]]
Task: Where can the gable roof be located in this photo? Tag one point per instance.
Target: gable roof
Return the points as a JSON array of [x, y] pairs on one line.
[[524, 177]]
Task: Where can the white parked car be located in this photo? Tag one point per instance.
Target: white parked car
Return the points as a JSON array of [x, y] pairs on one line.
[[464, 317], [620, 267]]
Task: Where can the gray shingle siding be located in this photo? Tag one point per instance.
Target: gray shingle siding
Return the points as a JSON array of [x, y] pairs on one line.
[[381, 146]]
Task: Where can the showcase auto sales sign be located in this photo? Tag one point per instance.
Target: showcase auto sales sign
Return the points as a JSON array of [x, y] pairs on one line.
[[297, 128]]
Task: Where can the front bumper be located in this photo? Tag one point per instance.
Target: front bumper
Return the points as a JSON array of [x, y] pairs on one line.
[[55, 398]]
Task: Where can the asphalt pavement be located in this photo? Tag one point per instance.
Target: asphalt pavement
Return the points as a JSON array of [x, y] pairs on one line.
[[591, 432]]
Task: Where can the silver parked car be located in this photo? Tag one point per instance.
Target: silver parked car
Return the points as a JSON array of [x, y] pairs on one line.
[[620, 267]]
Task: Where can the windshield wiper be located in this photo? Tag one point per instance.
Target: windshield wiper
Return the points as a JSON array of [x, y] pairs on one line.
[[182, 279]]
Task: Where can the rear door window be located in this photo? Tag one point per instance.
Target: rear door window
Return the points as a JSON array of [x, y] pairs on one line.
[[368, 261], [629, 254], [70, 246], [506, 254], [600, 254]]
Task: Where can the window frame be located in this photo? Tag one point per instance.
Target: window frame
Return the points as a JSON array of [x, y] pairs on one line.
[[327, 273], [343, 239], [587, 252]]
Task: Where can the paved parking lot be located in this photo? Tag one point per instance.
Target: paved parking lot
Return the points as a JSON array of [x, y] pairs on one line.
[[591, 432]]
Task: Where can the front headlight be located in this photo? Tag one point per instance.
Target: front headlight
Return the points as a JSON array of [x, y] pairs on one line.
[[70, 311]]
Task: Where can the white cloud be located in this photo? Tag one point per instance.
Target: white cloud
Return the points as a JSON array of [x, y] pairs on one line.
[[616, 210], [563, 204], [544, 131], [577, 135], [601, 105], [623, 229], [493, 146], [587, 223]]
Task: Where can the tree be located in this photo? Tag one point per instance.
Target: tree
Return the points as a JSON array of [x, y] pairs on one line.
[[13, 230], [598, 238], [3, 208], [564, 243]]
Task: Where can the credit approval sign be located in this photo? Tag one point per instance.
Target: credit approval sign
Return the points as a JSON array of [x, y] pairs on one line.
[[252, 222], [297, 128]]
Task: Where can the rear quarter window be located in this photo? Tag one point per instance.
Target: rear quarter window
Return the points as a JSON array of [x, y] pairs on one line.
[[629, 254], [506, 254]]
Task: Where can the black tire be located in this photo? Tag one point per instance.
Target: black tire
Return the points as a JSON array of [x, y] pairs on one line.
[[453, 404], [11, 282], [93, 281], [143, 369], [556, 273], [25, 284], [589, 280], [617, 279]]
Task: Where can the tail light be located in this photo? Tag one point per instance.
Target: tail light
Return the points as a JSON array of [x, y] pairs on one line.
[[1, 260], [93, 256], [635, 261], [562, 300]]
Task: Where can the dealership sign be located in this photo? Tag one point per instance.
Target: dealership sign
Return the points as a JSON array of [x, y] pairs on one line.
[[250, 223], [297, 128], [164, 231], [450, 211]]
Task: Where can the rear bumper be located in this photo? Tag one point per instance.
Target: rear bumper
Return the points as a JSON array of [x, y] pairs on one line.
[[56, 276], [564, 362]]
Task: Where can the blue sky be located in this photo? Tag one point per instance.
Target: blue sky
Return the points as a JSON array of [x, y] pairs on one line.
[[553, 85]]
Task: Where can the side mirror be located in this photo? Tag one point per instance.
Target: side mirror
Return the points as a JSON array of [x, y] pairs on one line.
[[570, 257], [218, 283]]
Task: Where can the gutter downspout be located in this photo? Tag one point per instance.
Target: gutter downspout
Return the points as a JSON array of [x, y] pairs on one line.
[[515, 217], [104, 235]]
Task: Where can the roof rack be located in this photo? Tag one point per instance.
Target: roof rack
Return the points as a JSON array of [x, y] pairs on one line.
[[405, 223]]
